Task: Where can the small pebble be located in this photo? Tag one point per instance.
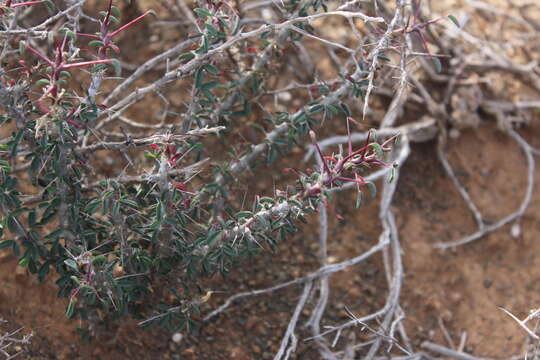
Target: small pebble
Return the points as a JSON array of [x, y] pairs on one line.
[[454, 133], [285, 96], [177, 337], [332, 259], [267, 14], [515, 230]]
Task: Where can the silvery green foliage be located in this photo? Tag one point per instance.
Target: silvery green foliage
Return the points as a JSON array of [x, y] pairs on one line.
[[112, 241]]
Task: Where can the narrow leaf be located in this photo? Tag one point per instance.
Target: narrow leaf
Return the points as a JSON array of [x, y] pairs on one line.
[[115, 11], [186, 56], [6, 243], [42, 82], [437, 63], [377, 148], [359, 198], [71, 263], [203, 12], [96, 43], [454, 20], [70, 309]]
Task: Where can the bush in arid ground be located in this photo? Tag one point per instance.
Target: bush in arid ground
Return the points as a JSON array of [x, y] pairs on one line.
[[162, 221]]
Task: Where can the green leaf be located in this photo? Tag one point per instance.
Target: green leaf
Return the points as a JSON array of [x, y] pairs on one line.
[[15, 143], [10, 183], [332, 109], [372, 135], [72, 264], [316, 108], [437, 63], [97, 68], [203, 12], [6, 243], [115, 209], [107, 194], [346, 110], [199, 77], [203, 48], [22, 47], [96, 43], [272, 153], [209, 86], [212, 237], [100, 259], [42, 82], [359, 198], [92, 206], [50, 5], [454, 20], [130, 203], [11, 224], [67, 32], [186, 56], [113, 19], [377, 148], [243, 214], [5, 165], [229, 251], [115, 11], [211, 30], [268, 200], [24, 262], [70, 310], [392, 174], [43, 271], [32, 218], [149, 155], [211, 69], [159, 211], [116, 66]]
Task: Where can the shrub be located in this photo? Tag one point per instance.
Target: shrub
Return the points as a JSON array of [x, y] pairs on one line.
[[113, 240]]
